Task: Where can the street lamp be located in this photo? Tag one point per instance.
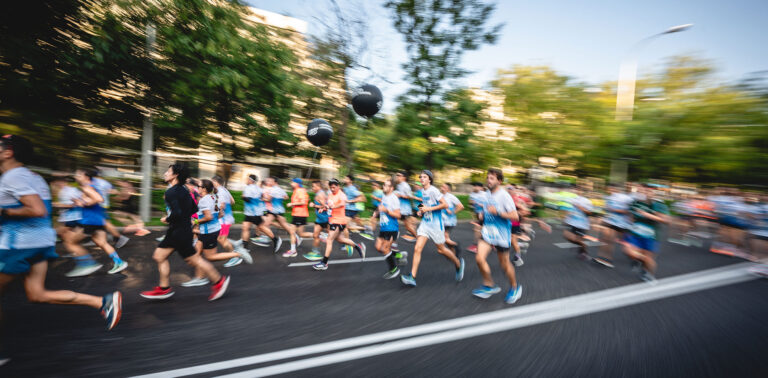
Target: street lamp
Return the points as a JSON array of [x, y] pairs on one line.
[[625, 92]]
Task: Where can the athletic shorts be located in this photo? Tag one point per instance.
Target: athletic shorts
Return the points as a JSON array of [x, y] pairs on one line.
[[209, 240], [578, 231], [323, 226], [406, 216], [339, 227], [71, 224], [20, 261], [449, 228], [180, 239], [255, 219], [388, 235], [516, 230], [614, 227], [225, 229], [298, 221], [90, 229], [350, 213], [436, 235], [647, 244], [275, 214], [734, 222]]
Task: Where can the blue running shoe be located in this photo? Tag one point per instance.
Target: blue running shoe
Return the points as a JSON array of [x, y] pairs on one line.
[[320, 266], [513, 295], [485, 292], [112, 308], [408, 280], [313, 256], [460, 271]]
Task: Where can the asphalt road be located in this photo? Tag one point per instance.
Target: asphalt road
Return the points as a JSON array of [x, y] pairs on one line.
[[273, 307]]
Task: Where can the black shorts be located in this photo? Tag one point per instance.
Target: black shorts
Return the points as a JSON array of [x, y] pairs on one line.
[[516, 230], [406, 216], [449, 228], [615, 228], [323, 226], [298, 221], [255, 219], [209, 240], [180, 239], [275, 214], [500, 249], [71, 224], [350, 213], [90, 229], [578, 231], [388, 235], [131, 205], [339, 227]]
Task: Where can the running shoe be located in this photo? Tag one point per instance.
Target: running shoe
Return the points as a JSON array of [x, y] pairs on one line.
[[89, 244], [603, 261], [117, 268], [472, 248], [157, 293], [408, 280], [83, 270], [313, 256], [278, 241], [320, 266], [635, 266], [392, 273], [235, 261], [408, 238], [323, 237], [360, 247], [485, 292], [402, 258], [648, 277], [366, 235], [121, 242], [196, 282], [349, 250], [4, 359], [112, 308], [394, 247], [160, 238], [299, 239], [261, 241], [517, 259], [524, 246], [513, 295], [291, 253], [244, 254], [460, 271], [532, 234], [218, 290]]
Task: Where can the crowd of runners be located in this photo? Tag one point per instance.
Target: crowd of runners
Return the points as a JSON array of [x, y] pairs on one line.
[[200, 215]]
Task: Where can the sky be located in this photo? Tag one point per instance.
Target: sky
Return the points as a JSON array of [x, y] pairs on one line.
[[586, 40]]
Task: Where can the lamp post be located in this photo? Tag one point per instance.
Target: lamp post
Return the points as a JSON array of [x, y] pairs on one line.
[[625, 92]]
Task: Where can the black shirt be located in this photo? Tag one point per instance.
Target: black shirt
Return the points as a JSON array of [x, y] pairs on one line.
[[180, 206]]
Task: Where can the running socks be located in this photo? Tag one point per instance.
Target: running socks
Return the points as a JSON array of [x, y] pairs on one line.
[[390, 260], [325, 260], [84, 260], [115, 258]]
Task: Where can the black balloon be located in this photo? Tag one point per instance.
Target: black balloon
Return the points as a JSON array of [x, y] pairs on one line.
[[367, 101], [319, 132]]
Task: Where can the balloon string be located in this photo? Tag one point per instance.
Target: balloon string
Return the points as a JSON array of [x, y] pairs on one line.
[[309, 174]]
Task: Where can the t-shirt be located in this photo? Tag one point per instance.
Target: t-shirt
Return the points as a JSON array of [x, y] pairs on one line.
[[300, 196], [254, 205], [66, 196], [621, 202], [477, 199], [576, 217], [432, 219], [450, 219], [180, 207], [95, 214], [387, 222], [352, 193], [377, 195], [405, 204], [337, 215], [278, 196], [496, 229], [103, 187], [208, 203], [225, 202], [321, 216], [642, 226], [22, 233], [419, 194]]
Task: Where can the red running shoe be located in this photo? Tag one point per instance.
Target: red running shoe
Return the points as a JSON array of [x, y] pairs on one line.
[[157, 293], [472, 248], [218, 290]]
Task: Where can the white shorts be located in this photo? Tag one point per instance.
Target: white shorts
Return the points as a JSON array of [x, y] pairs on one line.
[[437, 236]]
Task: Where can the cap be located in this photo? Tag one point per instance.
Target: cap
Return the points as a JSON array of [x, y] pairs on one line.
[[253, 177], [334, 182], [298, 181], [429, 173]]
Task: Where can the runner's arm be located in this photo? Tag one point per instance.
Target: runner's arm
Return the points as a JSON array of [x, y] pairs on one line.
[[31, 207]]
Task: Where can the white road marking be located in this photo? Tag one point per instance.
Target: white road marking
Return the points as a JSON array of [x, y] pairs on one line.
[[343, 261], [475, 325]]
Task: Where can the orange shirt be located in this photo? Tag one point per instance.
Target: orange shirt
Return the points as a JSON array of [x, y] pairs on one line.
[[337, 214], [300, 196]]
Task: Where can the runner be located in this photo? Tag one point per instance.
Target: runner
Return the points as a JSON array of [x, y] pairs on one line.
[[404, 194], [498, 211], [389, 212], [105, 188], [576, 218], [516, 229], [352, 211], [91, 224], [226, 219], [27, 238], [208, 229], [274, 196], [476, 198], [449, 215], [614, 225], [431, 228], [641, 243], [321, 220], [69, 213], [127, 209], [179, 238], [253, 210], [376, 195], [299, 213], [336, 204]]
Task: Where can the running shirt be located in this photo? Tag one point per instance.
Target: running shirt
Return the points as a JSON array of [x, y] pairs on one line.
[[225, 202], [642, 226], [301, 197], [180, 207], [337, 215], [351, 192], [617, 202], [377, 195], [477, 199], [496, 229], [66, 196], [254, 205], [320, 215], [23, 233], [103, 187], [278, 196], [388, 223], [405, 204], [450, 219], [419, 194], [94, 215], [575, 217], [208, 203], [432, 219]]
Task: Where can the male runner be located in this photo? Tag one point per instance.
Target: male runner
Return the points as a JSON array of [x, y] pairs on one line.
[[336, 203], [641, 243], [274, 196], [321, 220], [354, 197], [576, 218], [615, 224], [449, 215], [376, 195], [389, 213], [253, 210], [404, 194], [476, 201], [105, 188], [299, 213], [431, 228]]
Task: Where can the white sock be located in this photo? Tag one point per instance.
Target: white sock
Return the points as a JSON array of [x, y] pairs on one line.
[[293, 246]]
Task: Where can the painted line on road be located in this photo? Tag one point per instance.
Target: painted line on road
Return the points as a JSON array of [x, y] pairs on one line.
[[475, 325], [571, 245], [343, 261]]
